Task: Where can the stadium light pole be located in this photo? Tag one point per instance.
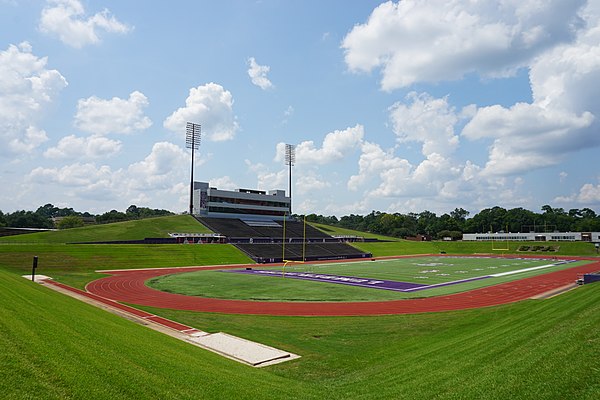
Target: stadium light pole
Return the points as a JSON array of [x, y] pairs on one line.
[[192, 141], [290, 159]]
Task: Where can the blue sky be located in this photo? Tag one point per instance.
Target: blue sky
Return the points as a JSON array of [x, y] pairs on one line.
[[396, 106]]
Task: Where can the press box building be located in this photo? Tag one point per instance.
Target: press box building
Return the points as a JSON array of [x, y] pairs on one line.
[[241, 203]]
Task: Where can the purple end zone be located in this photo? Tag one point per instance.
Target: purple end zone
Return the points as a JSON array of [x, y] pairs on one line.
[[344, 280]]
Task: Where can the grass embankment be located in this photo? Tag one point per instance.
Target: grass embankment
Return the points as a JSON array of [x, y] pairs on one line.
[[55, 347], [75, 265], [159, 227]]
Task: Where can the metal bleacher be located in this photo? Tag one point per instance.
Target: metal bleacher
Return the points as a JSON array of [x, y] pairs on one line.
[[263, 240]]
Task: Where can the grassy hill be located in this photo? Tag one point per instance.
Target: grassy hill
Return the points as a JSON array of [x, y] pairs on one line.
[[159, 227]]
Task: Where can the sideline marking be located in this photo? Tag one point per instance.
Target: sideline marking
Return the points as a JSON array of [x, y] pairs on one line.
[[397, 286], [518, 271]]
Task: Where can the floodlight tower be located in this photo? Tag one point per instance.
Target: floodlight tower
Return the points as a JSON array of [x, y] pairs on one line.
[[290, 159], [192, 141]]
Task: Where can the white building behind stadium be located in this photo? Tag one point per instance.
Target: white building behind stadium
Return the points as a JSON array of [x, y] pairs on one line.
[[534, 237]]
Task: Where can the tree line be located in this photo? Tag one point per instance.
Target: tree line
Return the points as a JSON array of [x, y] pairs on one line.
[[45, 215], [453, 224], [457, 222]]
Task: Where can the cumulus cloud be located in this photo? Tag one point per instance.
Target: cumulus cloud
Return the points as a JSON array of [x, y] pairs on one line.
[[258, 74], [67, 20], [83, 147], [211, 106], [27, 89], [224, 183], [427, 120], [310, 183], [101, 117], [437, 182], [77, 174], [563, 116], [336, 145], [155, 171], [159, 174], [374, 162], [429, 41], [589, 194], [266, 178]]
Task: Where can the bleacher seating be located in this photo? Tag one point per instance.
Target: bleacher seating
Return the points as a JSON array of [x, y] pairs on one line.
[[239, 229], [263, 241]]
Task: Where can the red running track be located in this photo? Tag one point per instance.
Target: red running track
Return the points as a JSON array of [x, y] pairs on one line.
[[129, 287]]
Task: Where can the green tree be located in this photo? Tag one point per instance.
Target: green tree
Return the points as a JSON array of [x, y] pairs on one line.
[[71, 221], [111, 216], [27, 219]]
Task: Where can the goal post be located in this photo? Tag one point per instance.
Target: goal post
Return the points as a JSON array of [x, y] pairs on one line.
[[499, 245]]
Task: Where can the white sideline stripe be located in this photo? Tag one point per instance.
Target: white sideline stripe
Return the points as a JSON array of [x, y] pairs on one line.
[[518, 271], [446, 283]]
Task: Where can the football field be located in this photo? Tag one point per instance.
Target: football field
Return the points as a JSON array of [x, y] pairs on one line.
[[382, 279]]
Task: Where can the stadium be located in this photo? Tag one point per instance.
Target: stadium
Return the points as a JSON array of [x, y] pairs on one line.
[[240, 300]]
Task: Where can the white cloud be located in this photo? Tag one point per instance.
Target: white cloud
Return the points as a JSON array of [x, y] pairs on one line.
[[427, 120], [101, 117], [289, 112], [373, 162], [563, 117], [66, 19], [83, 147], [211, 106], [76, 174], [426, 179], [589, 194], [436, 183], [310, 184], [417, 40], [159, 175], [268, 180], [258, 74], [223, 183], [562, 177], [156, 170], [336, 145], [27, 89]]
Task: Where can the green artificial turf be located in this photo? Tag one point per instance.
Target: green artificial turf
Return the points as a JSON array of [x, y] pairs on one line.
[[421, 270], [159, 227]]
